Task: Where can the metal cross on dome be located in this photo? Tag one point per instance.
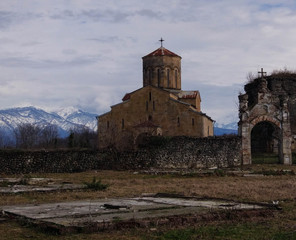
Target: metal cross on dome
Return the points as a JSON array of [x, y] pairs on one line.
[[161, 40], [262, 73]]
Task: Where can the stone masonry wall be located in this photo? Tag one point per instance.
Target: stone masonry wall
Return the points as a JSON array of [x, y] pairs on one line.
[[169, 153]]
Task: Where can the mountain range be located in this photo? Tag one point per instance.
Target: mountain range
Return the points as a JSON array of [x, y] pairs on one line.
[[67, 119], [229, 128]]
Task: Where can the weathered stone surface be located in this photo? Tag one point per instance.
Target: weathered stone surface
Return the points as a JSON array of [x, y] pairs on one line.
[[174, 153], [269, 100], [48, 188], [108, 213]]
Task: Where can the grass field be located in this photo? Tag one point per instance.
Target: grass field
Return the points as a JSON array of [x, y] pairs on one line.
[[267, 158], [277, 183]]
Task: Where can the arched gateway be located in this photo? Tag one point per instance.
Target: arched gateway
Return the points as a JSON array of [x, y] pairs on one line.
[[265, 119], [265, 140]]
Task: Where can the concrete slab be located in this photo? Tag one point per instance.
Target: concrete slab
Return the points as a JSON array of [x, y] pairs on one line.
[[46, 188], [16, 185], [106, 213], [29, 180]]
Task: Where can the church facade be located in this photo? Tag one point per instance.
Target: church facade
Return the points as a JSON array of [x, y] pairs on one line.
[[160, 107]]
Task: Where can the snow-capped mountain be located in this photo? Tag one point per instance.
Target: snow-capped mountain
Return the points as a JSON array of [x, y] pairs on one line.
[[65, 119], [229, 128], [78, 116], [223, 131], [232, 125]]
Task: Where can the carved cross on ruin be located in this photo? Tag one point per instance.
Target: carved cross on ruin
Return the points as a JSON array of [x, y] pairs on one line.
[[161, 40], [262, 73]]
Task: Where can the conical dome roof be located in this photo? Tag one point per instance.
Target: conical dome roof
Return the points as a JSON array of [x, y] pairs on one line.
[[162, 52]]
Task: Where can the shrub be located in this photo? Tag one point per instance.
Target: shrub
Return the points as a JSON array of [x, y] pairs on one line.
[[96, 185], [25, 180]]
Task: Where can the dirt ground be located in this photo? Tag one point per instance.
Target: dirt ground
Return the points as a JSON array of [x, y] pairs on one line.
[[258, 183]]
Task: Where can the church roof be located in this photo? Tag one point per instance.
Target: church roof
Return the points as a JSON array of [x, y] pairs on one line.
[[162, 52], [127, 96], [185, 94], [188, 94]]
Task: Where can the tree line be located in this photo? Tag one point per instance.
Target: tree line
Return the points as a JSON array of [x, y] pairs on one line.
[[33, 136]]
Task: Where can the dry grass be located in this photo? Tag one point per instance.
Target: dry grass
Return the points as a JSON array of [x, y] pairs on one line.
[[12, 231], [128, 184]]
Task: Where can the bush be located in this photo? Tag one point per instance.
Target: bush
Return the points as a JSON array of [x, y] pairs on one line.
[[96, 185]]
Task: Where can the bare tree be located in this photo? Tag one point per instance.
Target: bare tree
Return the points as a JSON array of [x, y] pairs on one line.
[[27, 135], [82, 137], [250, 77], [6, 140], [49, 136], [115, 138], [2, 138]]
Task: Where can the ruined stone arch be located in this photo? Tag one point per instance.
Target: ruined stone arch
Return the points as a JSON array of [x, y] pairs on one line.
[[263, 105], [264, 118]]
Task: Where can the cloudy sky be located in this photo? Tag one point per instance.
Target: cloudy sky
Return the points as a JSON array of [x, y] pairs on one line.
[[87, 53]]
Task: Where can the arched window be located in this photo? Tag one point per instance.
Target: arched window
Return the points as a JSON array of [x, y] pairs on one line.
[[150, 76], [122, 123], [158, 77], [192, 121], [144, 74], [176, 78], [178, 122], [168, 77]]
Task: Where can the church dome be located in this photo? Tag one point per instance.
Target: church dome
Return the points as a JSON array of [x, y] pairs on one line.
[[161, 52], [162, 68]]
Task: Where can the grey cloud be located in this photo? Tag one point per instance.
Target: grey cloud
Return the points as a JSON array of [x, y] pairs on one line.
[[4, 82], [9, 18], [94, 15], [268, 7], [32, 43], [224, 105], [6, 18], [107, 15], [31, 63], [6, 40], [105, 39], [69, 51], [66, 14], [149, 13]]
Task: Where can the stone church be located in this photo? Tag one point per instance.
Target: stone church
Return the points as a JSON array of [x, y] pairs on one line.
[[160, 107], [267, 113]]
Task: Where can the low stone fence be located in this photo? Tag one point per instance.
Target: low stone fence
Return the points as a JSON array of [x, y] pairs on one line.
[[164, 153]]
